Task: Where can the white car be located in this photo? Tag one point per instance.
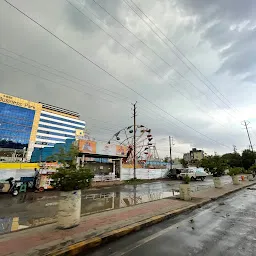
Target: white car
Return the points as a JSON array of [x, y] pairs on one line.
[[194, 174]]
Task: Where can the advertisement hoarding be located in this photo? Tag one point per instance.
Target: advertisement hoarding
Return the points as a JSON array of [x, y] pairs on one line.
[[102, 148], [87, 146], [121, 150]]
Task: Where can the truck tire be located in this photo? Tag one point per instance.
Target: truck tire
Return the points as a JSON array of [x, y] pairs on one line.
[[202, 178]]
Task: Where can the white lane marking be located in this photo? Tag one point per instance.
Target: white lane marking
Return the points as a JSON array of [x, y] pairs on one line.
[[160, 233]]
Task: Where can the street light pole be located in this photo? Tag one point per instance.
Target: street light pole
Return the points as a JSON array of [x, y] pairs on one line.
[[246, 126], [170, 143], [134, 139]]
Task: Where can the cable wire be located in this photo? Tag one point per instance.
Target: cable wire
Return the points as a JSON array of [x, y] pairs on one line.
[[182, 54], [156, 54], [111, 75], [174, 52], [179, 91]]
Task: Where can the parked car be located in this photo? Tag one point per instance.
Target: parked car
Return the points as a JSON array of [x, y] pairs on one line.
[[174, 173], [194, 174]]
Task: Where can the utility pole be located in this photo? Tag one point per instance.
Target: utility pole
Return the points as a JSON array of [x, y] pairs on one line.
[[244, 123], [134, 139], [171, 143], [234, 148]]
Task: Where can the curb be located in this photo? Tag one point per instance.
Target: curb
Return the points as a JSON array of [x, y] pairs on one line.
[[84, 246]]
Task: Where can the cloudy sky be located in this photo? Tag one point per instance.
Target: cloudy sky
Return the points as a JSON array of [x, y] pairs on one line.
[[190, 65]]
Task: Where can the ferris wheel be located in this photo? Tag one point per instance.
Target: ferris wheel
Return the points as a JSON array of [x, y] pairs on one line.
[[142, 141]]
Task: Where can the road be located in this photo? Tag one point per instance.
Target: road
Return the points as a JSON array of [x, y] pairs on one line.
[[39, 208], [225, 227]]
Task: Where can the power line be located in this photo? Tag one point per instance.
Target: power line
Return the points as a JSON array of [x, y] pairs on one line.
[[61, 84], [183, 55], [198, 106], [108, 73], [55, 74], [173, 51], [152, 50], [93, 85]]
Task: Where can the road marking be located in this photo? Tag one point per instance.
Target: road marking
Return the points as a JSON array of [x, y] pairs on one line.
[[160, 233]]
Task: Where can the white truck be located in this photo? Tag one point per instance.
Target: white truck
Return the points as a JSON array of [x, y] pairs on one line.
[[194, 174]]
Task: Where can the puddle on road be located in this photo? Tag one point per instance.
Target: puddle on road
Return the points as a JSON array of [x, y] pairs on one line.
[[91, 203], [29, 210]]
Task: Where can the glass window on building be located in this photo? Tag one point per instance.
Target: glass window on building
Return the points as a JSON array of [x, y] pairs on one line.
[[15, 126]]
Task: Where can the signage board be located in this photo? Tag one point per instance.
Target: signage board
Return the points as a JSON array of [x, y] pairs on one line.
[[102, 148], [87, 146], [4, 98]]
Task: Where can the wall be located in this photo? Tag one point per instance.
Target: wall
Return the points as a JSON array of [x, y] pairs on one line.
[[17, 170], [99, 168], [26, 166], [147, 174], [16, 173]]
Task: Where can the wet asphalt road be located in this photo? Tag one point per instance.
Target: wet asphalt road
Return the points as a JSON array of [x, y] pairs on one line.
[[226, 227], [40, 208]]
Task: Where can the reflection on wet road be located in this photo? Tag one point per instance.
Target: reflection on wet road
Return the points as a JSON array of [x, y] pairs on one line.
[[225, 227], [33, 209]]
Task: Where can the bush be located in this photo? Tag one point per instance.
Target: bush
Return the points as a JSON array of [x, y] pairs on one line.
[[186, 179], [252, 169], [235, 171], [70, 178]]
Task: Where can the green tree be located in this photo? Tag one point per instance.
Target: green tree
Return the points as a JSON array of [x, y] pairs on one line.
[[248, 158], [214, 165], [70, 176], [166, 159], [252, 169], [233, 159], [184, 163]]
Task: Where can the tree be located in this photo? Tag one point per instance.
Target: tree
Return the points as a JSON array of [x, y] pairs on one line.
[[252, 169], [214, 165], [233, 159], [166, 159], [69, 176], [184, 163], [195, 162], [248, 158]]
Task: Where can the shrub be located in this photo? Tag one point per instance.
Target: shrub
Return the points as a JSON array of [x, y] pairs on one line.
[[252, 169], [236, 171], [186, 179], [68, 178]]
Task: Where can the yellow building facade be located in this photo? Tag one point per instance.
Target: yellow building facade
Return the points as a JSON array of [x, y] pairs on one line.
[[11, 122]]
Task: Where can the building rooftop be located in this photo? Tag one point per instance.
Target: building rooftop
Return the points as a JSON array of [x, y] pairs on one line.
[[61, 110]]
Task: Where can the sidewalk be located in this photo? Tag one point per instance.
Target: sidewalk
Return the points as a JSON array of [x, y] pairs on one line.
[[102, 227]]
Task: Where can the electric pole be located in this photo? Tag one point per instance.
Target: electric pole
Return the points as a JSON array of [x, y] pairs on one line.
[[171, 143], [134, 138], [234, 148], [244, 123]]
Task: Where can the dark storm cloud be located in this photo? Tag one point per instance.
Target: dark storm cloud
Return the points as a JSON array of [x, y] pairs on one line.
[[186, 22], [231, 24]]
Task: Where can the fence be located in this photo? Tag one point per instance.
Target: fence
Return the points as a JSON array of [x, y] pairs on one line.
[[144, 174]]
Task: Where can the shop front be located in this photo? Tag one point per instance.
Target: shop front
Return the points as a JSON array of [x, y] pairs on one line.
[[105, 160]]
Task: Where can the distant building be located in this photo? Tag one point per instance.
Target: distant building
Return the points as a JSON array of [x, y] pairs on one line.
[[56, 125], [26, 125], [187, 157], [194, 154]]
